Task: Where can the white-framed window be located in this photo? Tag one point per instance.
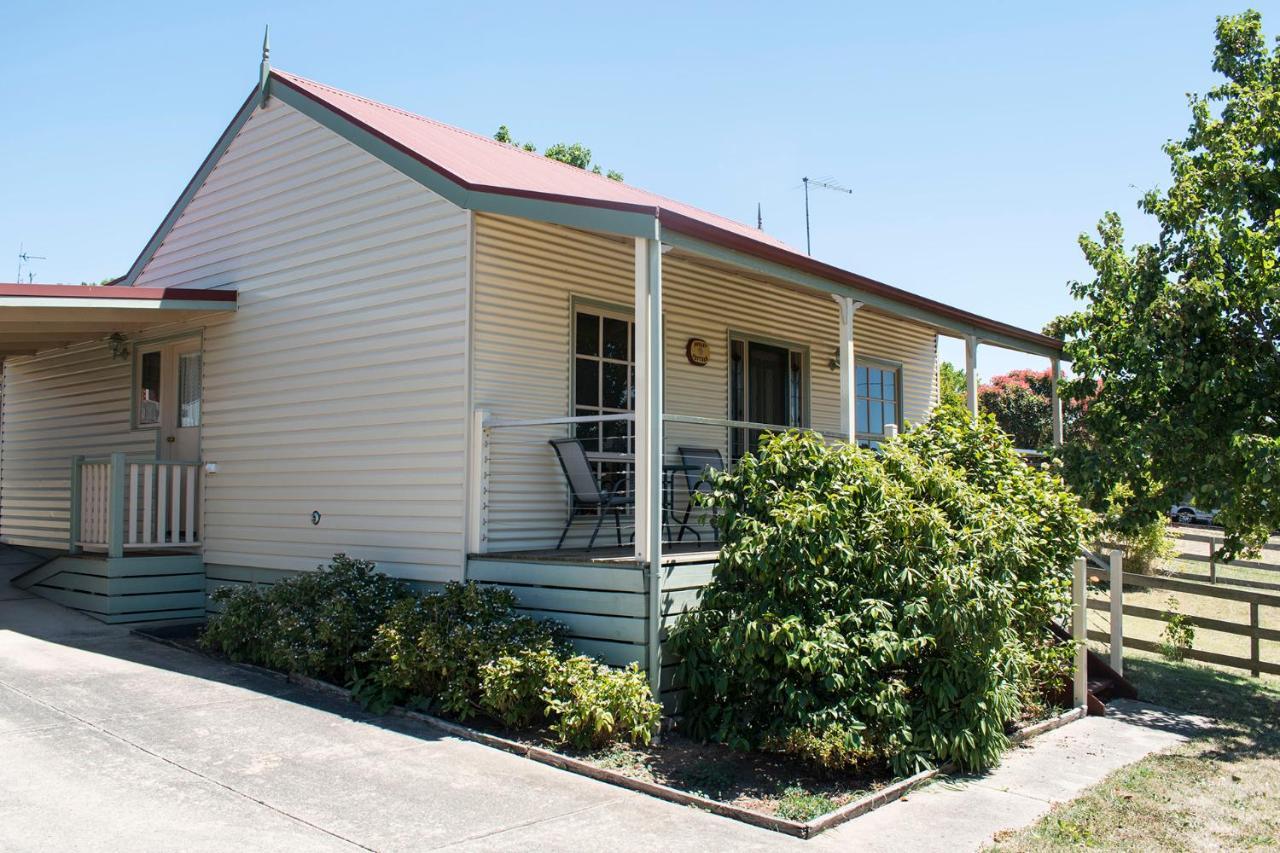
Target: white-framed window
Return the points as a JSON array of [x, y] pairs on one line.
[[603, 382], [167, 384], [879, 399]]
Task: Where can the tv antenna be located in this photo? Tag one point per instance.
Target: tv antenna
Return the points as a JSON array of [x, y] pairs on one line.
[[25, 257], [827, 183]]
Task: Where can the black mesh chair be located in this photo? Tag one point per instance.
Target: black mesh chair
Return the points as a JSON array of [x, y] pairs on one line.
[[587, 493], [695, 461]]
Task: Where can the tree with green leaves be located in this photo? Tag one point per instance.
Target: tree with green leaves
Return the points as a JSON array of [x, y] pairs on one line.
[[951, 385], [575, 153], [1021, 402], [1183, 334]]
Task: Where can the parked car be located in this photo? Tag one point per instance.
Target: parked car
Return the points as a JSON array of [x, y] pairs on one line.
[[1187, 514]]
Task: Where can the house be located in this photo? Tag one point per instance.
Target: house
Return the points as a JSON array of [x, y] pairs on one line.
[[358, 330]]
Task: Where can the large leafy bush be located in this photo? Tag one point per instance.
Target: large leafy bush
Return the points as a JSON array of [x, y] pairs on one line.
[[314, 623], [881, 607]]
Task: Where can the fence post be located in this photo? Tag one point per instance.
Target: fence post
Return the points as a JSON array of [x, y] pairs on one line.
[[1079, 596], [1213, 559], [77, 502], [1255, 655], [115, 504], [1117, 611], [477, 475]]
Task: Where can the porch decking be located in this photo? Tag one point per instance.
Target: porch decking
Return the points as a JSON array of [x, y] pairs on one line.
[[672, 554]]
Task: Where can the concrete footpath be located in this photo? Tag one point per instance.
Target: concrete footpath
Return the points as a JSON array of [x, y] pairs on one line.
[[109, 742]]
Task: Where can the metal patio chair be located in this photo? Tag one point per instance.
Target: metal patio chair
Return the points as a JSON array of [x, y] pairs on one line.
[[587, 492], [695, 462]]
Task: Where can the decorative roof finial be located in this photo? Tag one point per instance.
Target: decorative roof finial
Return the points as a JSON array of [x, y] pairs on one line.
[[265, 71]]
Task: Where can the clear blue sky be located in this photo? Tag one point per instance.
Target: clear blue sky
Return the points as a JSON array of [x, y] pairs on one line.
[[979, 139]]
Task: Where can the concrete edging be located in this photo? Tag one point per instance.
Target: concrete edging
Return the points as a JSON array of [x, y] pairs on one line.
[[797, 829]]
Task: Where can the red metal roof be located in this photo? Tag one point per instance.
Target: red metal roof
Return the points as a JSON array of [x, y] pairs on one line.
[[94, 291], [480, 163], [483, 164]]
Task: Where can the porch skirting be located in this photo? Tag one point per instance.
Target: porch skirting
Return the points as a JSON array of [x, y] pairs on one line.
[[135, 588], [603, 603]]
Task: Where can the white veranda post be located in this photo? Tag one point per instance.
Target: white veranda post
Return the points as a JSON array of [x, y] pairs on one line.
[[848, 373], [1080, 613], [648, 435], [971, 374], [1055, 400]]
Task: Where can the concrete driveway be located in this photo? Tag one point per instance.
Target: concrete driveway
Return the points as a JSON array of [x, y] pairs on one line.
[[109, 741]]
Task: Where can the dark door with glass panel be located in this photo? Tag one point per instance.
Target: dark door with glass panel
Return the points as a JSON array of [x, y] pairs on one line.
[[767, 384]]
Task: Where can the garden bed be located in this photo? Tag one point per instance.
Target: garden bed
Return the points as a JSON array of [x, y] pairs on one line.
[[762, 789]]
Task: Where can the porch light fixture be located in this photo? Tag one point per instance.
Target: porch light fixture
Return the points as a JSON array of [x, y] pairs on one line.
[[834, 363], [119, 345]]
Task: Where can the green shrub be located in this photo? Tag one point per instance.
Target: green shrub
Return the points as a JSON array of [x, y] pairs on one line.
[[588, 704], [513, 688], [315, 623], [881, 607], [431, 649], [1179, 634], [592, 704], [1147, 547]]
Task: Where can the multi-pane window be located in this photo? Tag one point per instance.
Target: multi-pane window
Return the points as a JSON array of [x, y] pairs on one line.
[[604, 370], [878, 396]]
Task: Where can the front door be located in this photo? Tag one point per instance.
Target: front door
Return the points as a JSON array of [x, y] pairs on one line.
[[169, 397], [766, 387]]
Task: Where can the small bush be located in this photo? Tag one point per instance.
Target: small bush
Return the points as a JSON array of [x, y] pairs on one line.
[[431, 649], [1146, 548], [588, 704], [832, 748], [890, 606], [513, 688], [315, 623], [592, 704], [1178, 635]]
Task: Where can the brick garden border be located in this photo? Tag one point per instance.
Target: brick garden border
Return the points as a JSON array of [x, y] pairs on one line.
[[798, 829]]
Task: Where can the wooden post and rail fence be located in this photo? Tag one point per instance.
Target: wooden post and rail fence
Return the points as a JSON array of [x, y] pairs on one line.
[[1115, 606], [1210, 555]]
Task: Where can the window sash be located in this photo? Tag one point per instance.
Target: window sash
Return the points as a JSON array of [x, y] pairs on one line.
[[877, 398]]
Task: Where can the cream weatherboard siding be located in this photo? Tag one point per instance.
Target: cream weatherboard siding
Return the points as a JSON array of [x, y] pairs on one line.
[[529, 275], [57, 405], [340, 384]]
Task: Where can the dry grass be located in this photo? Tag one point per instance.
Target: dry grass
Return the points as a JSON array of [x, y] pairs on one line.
[[1220, 791]]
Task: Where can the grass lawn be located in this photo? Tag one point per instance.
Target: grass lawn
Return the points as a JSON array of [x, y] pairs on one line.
[[1219, 791]]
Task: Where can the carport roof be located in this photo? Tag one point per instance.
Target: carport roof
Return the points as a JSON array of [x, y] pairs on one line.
[[35, 317]]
